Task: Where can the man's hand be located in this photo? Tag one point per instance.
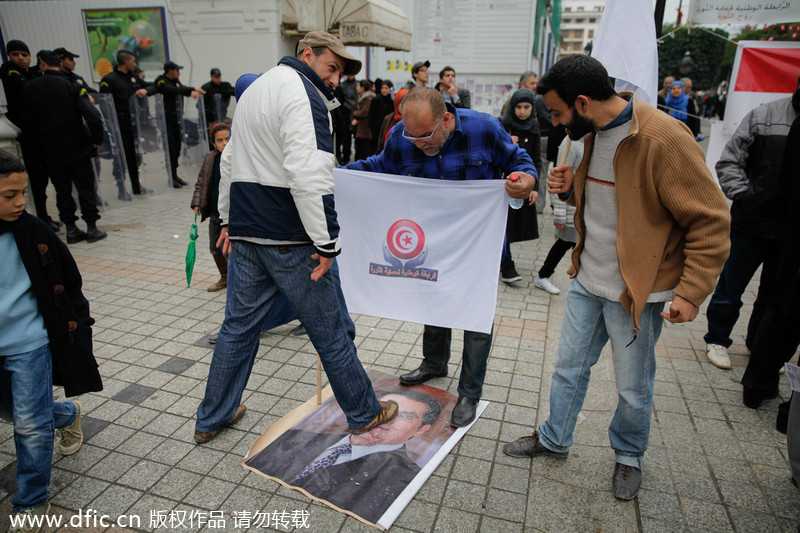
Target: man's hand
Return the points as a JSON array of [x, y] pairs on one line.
[[560, 179], [533, 197], [452, 89], [680, 310], [200, 90], [194, 94], [323, 266], [141, 93], [514, 139], [197, 211], [522, 188], [224, 243]]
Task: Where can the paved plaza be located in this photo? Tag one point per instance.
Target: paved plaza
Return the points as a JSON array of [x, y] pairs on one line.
[[713, 464]]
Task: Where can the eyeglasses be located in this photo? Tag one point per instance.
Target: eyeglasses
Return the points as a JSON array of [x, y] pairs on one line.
[[425, 138]]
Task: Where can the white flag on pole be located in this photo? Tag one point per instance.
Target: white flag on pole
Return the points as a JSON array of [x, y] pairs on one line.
[[421, 250], [626, 46]]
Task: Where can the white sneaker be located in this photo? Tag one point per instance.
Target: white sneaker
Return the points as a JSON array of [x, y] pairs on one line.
[[546, 285], [718, 356]]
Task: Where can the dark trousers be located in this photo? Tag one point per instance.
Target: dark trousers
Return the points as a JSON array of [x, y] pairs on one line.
[[748, 252], [131, 160], [775, 343], [344, 137], [174, 141], [436, 354], [557, 251], [64, 175], [363, 147], [37, 176]]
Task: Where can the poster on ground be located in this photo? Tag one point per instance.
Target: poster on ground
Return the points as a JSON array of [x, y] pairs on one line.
[[373, 476], [140, 31]]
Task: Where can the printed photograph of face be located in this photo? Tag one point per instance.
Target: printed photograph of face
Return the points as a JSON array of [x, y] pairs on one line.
[[362, 474]]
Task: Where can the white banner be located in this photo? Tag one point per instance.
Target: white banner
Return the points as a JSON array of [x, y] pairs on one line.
[[421, 250], [743, 11], [626, 46]]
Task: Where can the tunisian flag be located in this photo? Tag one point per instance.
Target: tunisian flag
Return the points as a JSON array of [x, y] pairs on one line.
[[763, 71], [421, 250]]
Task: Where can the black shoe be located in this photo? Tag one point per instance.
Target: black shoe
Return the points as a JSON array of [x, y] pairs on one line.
[[74, 234], [213, 338], [464, 412], [94, 234], [180, 181], [753, 398], [530, 447], [143, 190], [508, 273], [626, 481], [124, 196], [299, 331], [419, 376], [55, 225], [176, 185]]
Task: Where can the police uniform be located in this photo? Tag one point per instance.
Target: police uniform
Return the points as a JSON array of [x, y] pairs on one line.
[[172, 90], [14, 80], [122, 86]]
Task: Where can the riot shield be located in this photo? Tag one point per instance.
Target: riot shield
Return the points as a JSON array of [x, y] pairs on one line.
[[110, 170], [224, 107], [152, 150], [194, 134]]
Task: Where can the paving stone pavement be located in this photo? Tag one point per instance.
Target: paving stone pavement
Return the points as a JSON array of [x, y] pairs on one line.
[[713, 464]]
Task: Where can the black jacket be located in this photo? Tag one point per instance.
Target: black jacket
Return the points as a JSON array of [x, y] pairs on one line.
[[171, 89], [62, 123], [56, 284], [122, 86], [226, 90], [80, 82], [14, 79]]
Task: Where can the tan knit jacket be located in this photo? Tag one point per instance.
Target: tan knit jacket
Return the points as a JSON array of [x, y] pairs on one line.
[[673, 224]]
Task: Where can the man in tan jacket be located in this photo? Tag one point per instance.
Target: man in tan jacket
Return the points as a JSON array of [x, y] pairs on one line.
[[652, 228]]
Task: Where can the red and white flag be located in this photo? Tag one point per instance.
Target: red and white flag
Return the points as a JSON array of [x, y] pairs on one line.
[[421, 250]]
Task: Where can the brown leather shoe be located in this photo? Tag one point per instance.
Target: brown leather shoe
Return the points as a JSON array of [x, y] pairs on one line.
[[218, 286], [387, 414], [201, 437]]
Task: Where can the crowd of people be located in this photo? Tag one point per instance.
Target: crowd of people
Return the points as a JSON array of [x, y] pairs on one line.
[[650, 230]]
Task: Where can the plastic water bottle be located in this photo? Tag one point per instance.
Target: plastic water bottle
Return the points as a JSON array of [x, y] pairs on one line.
[[515, 203]]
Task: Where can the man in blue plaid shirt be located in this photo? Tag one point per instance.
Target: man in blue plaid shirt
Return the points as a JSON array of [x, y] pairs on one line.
[[435, 140]]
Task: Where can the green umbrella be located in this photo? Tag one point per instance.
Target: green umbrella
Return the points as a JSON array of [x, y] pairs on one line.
[[190, 252]]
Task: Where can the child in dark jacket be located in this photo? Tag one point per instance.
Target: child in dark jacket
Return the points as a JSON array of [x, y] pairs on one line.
[[206, 194], [45, 339]]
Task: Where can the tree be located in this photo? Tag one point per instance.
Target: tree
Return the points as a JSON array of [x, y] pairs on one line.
[[708, 51]]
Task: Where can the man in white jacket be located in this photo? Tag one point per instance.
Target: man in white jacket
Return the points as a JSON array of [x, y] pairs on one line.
[[278, 217]]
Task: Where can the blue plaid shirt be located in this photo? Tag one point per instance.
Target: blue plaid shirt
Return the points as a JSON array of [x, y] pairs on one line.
[[478, 149]]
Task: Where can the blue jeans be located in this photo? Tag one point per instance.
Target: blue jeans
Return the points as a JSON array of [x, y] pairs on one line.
[[26, 383], [589, 322], [262, 274], [747, 254], [436, 354]]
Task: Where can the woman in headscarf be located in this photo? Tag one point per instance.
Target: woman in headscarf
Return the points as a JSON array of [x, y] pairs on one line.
[[677, 101], [520, 122]]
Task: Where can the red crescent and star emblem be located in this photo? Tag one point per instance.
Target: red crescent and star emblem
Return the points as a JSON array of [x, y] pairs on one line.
[[405, 239]]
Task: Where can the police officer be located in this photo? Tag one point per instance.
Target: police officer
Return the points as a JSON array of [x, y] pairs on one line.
[[213, 87], [122, 84], [57, 113], [68, 68], [15, 73], [170, 86]]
